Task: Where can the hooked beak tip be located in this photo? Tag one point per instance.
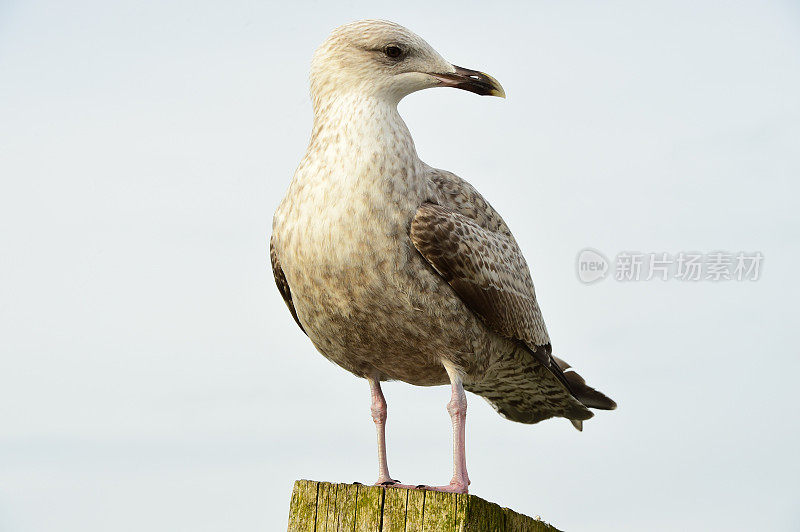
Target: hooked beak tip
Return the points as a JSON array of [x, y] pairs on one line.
[[471, 80]]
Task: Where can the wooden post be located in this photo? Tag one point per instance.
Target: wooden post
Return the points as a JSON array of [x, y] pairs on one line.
[[326, 507]]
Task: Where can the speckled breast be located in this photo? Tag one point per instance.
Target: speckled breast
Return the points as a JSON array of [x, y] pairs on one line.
[[371, 304]]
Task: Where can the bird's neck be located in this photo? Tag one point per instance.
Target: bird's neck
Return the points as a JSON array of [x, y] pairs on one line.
[[364, 131], [360, 178]]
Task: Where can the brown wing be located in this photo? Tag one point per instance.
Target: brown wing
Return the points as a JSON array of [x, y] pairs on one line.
[[486, 269], [470, 245], [453, 192], [280, 280]]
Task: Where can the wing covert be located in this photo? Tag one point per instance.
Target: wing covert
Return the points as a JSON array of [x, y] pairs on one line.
[[487, 271]]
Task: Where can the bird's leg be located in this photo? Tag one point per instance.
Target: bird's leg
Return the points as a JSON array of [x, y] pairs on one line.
[[457, 408], [379, 417]]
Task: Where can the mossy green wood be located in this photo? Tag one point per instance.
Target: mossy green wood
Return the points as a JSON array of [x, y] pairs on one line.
[[327, 507], [303, 506], [395, 502]]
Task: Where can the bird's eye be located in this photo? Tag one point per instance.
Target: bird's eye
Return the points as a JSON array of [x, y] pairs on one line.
[[393, 51]]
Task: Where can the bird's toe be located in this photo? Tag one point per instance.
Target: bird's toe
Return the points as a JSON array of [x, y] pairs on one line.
[[453, 487]]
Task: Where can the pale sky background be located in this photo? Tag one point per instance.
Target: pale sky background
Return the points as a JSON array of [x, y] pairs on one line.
[[152, 379]]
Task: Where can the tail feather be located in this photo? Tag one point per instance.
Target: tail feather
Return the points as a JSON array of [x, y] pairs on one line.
[[584, 393], [525, 390]]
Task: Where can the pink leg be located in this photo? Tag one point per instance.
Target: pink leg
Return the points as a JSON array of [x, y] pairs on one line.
[[379, 417], [457, 408]]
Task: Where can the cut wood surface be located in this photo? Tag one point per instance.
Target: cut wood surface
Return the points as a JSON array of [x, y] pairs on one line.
[[327, 507]]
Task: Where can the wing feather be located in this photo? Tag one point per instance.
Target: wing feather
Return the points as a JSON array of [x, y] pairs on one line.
[[280, 280], [486, 269], [467, 242]]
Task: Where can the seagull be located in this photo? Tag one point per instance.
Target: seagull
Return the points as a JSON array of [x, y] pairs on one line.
[[396, 270]]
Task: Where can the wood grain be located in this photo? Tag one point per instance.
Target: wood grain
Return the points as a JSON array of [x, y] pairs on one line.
[[329, 507]]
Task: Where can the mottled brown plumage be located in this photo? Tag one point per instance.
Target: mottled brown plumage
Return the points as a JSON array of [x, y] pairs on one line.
[[396, 270], [487, 271]]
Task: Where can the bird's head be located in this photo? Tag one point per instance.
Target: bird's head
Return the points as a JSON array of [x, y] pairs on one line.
[[385, 60]]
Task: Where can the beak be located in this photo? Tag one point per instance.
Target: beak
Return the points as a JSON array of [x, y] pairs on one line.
[[473, 81]]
